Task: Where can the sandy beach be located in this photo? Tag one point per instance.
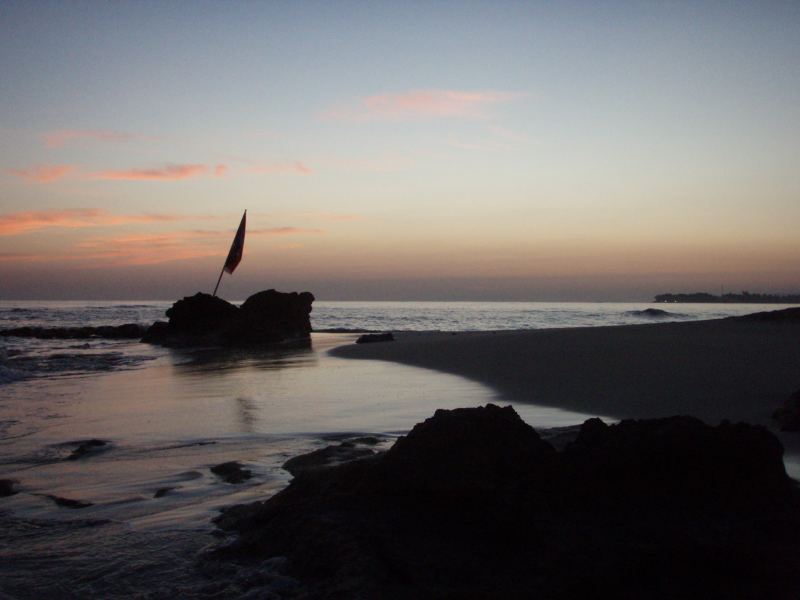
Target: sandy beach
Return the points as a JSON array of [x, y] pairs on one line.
[[733, 369]]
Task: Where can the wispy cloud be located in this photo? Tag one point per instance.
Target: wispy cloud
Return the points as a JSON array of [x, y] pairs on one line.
[[168, 172], [60, 137], [422, 104], [149, 249], [144, 248], [18, 257], [307, 217], [43, 173], [286, 231], [290, 167], [27, 221]]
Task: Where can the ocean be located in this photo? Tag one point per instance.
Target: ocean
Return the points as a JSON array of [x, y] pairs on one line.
[[129, 514], [24, 358]]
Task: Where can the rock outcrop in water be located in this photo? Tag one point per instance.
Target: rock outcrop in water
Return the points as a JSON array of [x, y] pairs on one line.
[[264, 318], [473, 503], [7, 487], [232, 472], [369, 338], [86, 448], [653, 313]]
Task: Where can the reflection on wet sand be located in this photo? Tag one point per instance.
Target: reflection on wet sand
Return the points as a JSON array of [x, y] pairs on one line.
[[298, 353], [247, 413]]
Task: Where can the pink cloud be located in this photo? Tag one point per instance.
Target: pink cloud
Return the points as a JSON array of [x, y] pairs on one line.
[[295, 167], [422, 104], [26, 221], [43, 173], [220, 170], [60, 137], [166, 173]]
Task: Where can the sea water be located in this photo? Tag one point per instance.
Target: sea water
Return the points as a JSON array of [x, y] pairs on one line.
[[22, 358], [167, 416]]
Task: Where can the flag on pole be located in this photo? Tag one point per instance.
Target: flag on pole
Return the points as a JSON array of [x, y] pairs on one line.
[[237, 248]]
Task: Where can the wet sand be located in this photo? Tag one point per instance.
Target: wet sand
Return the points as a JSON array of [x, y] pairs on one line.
[[721, 369]]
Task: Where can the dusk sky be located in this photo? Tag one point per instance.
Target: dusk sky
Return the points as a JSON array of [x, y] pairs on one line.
[[469, 150]]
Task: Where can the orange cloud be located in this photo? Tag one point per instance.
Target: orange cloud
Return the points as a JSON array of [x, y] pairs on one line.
[[422, 104], [220, 170], [150, 249], [43, 173], [296, 167], [20, 257], [60, 137], [23, 222], [166, 173]]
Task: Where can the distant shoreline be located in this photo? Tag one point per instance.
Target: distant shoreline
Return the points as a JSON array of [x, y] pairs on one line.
[[743, 298]]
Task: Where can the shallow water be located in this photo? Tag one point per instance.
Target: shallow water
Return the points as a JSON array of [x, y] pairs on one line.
[[169, 415], [166, 423]]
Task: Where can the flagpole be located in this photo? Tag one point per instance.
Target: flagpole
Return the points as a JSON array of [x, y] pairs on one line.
[[235, 253], [218, 280]]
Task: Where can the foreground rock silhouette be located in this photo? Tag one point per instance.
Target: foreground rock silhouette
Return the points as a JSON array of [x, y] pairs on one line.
[[472, 503], [788, 415], [205, 320]]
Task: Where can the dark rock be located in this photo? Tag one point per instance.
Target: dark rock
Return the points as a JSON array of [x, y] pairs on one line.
[[232, 472], [201, 313], [67, 502], [157, 333], [264, 318], [788, 415], [473, 503], [678, 460], [346, 330], [651, 312], [367, 440], [369, 338], [272, 315], [326, 457], [114, 332], [467, 451], [7, 487], [87, 447], [161, 492]]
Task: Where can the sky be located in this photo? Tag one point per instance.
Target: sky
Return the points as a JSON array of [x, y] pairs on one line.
[[399, 151]]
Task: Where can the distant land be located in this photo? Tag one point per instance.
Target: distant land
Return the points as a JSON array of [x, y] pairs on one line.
[[742, 298]]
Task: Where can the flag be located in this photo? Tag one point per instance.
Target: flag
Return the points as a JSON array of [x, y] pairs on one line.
[[237, 247]]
